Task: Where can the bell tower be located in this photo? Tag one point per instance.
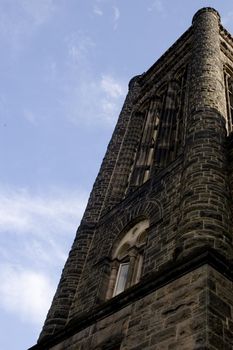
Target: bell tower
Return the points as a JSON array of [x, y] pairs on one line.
[[151, 264]]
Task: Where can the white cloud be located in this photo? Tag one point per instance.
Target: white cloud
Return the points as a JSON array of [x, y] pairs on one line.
[[96, 101], [20, 18], [79, 47], [87, 98], [111, 87], [49, 252], [25, 292], [29, 116], [36, 231], [116, 14], [97, 11], [112, 93], [23, 212], [156, 6], [38, 11]]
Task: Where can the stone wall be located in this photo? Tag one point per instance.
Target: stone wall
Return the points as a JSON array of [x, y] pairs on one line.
[[189, 208], [219, 311], [110, 189], [156, 201], [206, 218], [172, 317]]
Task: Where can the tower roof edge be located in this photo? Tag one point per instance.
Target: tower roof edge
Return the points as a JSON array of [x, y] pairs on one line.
[[206, 9]]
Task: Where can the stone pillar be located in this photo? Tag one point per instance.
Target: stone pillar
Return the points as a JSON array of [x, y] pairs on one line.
[[112, 280], [133, 253], [205, 197]]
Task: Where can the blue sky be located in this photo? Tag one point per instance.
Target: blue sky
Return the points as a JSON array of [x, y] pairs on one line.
[[65, 66]]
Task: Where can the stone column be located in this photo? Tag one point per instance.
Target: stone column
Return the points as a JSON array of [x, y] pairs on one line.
[[205, 205], [112, 279], [132, 267]]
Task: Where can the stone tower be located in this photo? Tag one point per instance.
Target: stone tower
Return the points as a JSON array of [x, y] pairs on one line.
[[151, 265]]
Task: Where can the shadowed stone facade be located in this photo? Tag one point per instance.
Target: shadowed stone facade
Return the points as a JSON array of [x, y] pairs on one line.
[[169, 164]]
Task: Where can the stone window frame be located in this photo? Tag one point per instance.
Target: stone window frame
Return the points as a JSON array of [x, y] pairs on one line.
[[143, 163], [228, 78], [129, 248], [160, 145]]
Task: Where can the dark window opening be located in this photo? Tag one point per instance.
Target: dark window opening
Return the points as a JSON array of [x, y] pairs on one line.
[[162, 137]]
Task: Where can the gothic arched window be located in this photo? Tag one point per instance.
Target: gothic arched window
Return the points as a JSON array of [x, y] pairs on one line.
[[229, 98], [162, 133], [127, 258]]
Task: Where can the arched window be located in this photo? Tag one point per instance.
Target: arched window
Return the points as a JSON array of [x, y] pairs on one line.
[[127, 258], [229, 98], [162, 133]]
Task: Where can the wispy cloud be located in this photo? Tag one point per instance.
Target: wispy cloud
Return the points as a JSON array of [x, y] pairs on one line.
[[89, 99], [23, 212], [38, 12], [39, 228], [96, 101], [112, 87], [29, 116], [36, 230], [97, 11], [79, 47], [25, 292], [20, 18], [156, 5], [116, 16]]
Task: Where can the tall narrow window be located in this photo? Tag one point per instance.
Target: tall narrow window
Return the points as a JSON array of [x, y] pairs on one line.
[[171, 128], [162, 133], [229, 99], [121, 278], [230, 91], [145, 154], [127, 259]]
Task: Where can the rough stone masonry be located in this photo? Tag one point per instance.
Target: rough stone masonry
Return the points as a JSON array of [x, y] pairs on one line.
[[169, 163]]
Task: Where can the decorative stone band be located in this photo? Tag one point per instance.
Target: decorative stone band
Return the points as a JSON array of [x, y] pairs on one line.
[[166, 275]]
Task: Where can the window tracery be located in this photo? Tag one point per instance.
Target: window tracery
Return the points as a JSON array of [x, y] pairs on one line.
[[162, 133]]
